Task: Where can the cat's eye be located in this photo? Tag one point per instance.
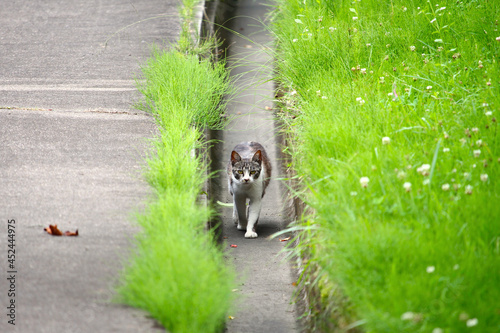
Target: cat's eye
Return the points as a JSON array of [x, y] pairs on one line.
[[240, 172], [253, 172]]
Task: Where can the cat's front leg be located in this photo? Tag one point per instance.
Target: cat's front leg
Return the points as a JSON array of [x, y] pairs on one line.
[[253, 217], [240, 212]]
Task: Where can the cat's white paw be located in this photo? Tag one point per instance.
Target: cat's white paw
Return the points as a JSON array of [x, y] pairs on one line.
[[239, 227], [251, 234]]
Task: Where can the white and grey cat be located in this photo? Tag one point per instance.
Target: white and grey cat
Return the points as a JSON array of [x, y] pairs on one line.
[[249, 173]]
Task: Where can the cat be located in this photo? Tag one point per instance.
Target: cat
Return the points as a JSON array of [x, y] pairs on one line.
[[249, 174]]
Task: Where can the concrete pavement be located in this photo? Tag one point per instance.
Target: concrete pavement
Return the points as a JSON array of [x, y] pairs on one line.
[[71, 154]]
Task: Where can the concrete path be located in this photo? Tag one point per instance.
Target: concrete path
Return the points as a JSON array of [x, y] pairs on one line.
[[265, 279], [71, 148]]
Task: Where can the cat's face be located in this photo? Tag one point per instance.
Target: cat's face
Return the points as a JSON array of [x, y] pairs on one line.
[[246, 171]]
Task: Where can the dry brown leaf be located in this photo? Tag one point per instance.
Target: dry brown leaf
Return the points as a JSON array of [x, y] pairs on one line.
[[54, 231], [285, 239]]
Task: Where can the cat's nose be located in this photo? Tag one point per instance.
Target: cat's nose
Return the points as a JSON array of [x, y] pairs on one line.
[[246, 180]]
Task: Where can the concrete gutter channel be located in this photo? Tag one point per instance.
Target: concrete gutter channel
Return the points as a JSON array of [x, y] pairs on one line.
[[266, 279]]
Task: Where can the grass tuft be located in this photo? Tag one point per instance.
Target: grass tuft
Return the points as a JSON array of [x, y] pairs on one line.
[[177, 273]]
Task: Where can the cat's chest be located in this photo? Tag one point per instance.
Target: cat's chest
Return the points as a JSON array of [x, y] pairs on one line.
[[254, 188]]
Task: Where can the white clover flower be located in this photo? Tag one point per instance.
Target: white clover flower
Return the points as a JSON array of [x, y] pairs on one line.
[[488, 113], [354, 193], [479, 143], [412, 48], [401, 175], [295, 40], [382, 79], [407, 186], [428, 87], [354, 18], [484, 177], [368, 44], [407, 316], [446, 135], [358, 99], [430, 269], [364, 181], [445, 150], [477, 152], [468, 189], [445, 187], [466, 175], [363, 70], [498, 39], [386, 140], [439, 40], [324, 97], [472, 322], [332, 29], [485, 105], [474, 129], [424, 169], [426, 181], [390, 94]]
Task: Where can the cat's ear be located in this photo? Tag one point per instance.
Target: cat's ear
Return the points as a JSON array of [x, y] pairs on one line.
[[235, 157], [257, 157]]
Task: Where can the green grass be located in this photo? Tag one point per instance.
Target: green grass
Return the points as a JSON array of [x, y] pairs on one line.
[[425, 242], [177, 273]]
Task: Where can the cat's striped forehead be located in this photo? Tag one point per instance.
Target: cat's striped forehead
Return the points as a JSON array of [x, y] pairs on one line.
[[247, 165]]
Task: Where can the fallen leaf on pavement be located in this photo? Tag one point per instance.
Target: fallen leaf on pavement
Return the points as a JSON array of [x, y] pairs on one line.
[[54, 231], [231, 317], [285, 239]]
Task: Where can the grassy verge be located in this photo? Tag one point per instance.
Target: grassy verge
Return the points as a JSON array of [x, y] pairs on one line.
[[177, 273], [393, 107]]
